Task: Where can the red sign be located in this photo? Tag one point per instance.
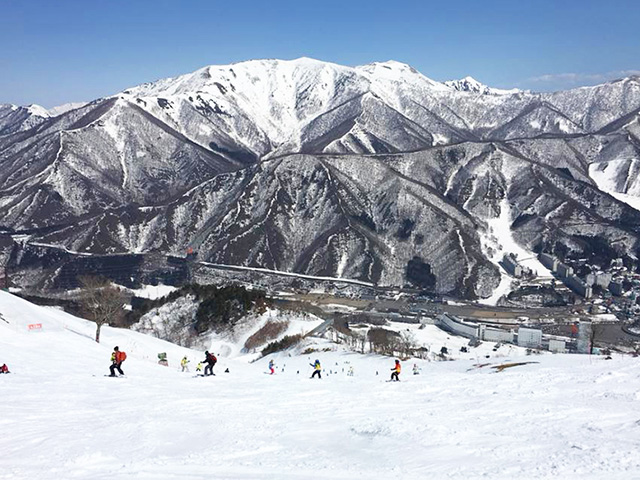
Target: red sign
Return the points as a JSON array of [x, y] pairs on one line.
[[34, 326]]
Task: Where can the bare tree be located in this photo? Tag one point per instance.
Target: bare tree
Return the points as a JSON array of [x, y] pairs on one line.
[[358, 341], [408, 342], [102, 302], [382, 340]]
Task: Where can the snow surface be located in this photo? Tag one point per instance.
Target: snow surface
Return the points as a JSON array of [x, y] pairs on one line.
[[564, 417], [37, 110], [64, 108], [613, 177], [630, 200], [153, 292], [499, 241]]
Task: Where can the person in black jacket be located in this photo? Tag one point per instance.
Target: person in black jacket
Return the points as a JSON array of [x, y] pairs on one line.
[[210, 360]]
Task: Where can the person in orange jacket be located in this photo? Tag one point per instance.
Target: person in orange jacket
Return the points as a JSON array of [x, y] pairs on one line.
[[396, 371], [116, 361]]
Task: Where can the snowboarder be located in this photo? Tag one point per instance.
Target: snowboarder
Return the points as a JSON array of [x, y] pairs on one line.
[[396, 371], [184, 363], [416, 369], [316, 368], [211, 360], [117, 357], [4, 368], [272, 366]]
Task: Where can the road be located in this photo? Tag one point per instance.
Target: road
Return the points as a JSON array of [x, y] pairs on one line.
[[555, 320], [461, 310]]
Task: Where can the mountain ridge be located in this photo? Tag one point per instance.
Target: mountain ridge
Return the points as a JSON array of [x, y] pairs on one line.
[[317, 168]]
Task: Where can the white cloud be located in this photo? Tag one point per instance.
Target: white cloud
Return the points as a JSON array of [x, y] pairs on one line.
[[581, 78]]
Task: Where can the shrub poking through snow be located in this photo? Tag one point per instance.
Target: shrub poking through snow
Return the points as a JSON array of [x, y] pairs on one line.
[[285, 342], [269, 331]]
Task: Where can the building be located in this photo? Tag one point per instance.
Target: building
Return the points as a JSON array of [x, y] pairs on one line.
[[510, 264], [457, 326], [557, 346], [549, 261], [529, 337], [616, 288], [564, 270], [578, 286], [492, 334], [601, 279]]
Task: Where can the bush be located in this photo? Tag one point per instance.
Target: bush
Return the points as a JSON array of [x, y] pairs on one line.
[[269, 331], [219, 306], [287, 341]]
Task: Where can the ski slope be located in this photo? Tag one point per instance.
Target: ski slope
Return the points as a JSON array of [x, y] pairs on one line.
[[564, 417]]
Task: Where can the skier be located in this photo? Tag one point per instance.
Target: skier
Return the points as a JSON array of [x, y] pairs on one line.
[[396, 371], [350, 371], [199, 367], [4, 368], [117, 357], [317, 368], [272, 366], [211, 360], [184, 363], [416, 369]]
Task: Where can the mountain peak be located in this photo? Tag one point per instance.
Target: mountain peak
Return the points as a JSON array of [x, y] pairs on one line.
[[37, 110], [471, 85]]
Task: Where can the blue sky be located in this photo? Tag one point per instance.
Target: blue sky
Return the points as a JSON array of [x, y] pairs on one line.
[[58, 51]]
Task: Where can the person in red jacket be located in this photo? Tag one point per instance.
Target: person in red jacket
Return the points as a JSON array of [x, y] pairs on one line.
[[4, 368], [396, 371], [117, 357]]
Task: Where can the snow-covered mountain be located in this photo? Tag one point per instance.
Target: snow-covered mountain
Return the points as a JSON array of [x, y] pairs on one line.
[[64, 108], [323, 169], [14, 118], [471, 85]]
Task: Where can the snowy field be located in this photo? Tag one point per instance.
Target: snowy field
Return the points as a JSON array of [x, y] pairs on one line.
[[568, 417]]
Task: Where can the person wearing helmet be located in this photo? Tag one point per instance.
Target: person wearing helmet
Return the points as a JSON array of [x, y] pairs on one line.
[[316, 368], [272, 367], [210, 360], [395, 371]]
